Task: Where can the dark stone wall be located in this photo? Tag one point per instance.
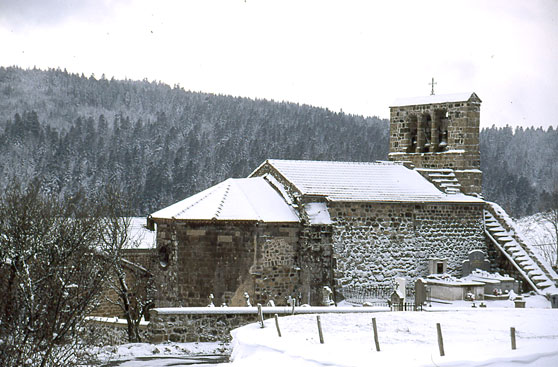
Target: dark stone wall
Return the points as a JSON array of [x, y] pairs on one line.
[[227, 259]]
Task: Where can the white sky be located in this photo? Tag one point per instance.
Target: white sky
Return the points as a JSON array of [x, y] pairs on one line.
[[358, 56]]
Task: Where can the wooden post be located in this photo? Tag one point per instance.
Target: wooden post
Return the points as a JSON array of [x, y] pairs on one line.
[[375, 334], [440, 339], [320, 329], [512, 334], [260, 315], [277, 325]]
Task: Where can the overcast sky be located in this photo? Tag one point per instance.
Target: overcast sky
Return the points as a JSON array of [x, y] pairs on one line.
[[355, 56]]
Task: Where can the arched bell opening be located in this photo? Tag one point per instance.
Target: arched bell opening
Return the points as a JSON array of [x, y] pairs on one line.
[[412, 138]]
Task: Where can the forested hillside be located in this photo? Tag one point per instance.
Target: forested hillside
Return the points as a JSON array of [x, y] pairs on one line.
[[520, 168], [160, 144]]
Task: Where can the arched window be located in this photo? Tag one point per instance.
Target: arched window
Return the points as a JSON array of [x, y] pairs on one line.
[[427, 133], [164, 256], [442, 131], [412, 123]]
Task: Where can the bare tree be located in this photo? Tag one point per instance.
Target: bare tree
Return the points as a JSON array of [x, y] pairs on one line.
[[51, 274], [551, 219], [129, 281], [548, 243]]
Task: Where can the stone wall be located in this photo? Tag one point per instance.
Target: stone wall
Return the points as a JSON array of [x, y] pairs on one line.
[[317, 263], [374, 243], [441, 135], [226, 259], [195, 327], [137, 279], [141, 256], [109, 332], [204, 324]]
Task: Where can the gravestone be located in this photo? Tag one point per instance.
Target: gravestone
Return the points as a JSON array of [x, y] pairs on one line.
[[326, 296], [400, 285], [476, 260], [420, 293]]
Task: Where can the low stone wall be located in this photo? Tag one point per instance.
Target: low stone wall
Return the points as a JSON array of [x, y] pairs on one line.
[[101, 331], [205, 324]]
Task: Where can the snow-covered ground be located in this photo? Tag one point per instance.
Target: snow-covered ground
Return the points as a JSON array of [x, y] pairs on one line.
[[153, 355], [472, 337]]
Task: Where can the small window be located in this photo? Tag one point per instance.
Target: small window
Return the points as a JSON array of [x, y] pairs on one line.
[[440, 268], [164, 256]]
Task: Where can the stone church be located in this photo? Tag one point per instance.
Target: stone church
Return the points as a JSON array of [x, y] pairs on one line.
[[293, 227]]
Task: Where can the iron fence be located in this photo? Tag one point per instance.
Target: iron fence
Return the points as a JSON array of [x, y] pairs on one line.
[[373, 294]]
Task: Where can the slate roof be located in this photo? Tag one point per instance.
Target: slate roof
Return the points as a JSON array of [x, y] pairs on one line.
[[242, 199], [360, 181], [438, 98]]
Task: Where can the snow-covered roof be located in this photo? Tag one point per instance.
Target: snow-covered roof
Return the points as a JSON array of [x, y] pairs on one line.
[[360, 181], [446, 279], [482, 276], [317, 213], [437, 98], [140, 237], [247, 199]]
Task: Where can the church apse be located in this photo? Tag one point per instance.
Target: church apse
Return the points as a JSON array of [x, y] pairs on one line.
[[439, 132]]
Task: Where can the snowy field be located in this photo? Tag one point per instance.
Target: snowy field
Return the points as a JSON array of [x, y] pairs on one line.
[[472, 337]]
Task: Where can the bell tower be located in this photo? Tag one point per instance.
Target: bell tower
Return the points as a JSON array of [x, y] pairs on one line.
[[439, 132]]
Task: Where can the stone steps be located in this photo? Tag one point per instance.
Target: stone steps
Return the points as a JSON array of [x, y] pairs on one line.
[[516, 250], [444, 179]]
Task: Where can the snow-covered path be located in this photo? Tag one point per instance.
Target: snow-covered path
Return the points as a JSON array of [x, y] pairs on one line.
[[472, 337]]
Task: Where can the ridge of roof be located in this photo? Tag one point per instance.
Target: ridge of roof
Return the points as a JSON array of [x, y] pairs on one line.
[[434, 99], [386, 163], [208, 191], [223, 199]]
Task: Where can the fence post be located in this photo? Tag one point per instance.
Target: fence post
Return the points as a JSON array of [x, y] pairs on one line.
[[320, 329], [260, 315], [375, 334], [512, 334], [277, 325], [440, 339]]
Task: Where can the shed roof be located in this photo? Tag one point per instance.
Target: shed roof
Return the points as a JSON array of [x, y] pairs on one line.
[[433, 99], [361, 181], [241, 199]]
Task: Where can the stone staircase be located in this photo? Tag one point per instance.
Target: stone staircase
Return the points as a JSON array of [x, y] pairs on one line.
[[443, 179], [501, 230]]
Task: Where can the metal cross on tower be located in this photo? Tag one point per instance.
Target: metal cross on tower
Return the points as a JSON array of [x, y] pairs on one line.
[[432, 84]]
